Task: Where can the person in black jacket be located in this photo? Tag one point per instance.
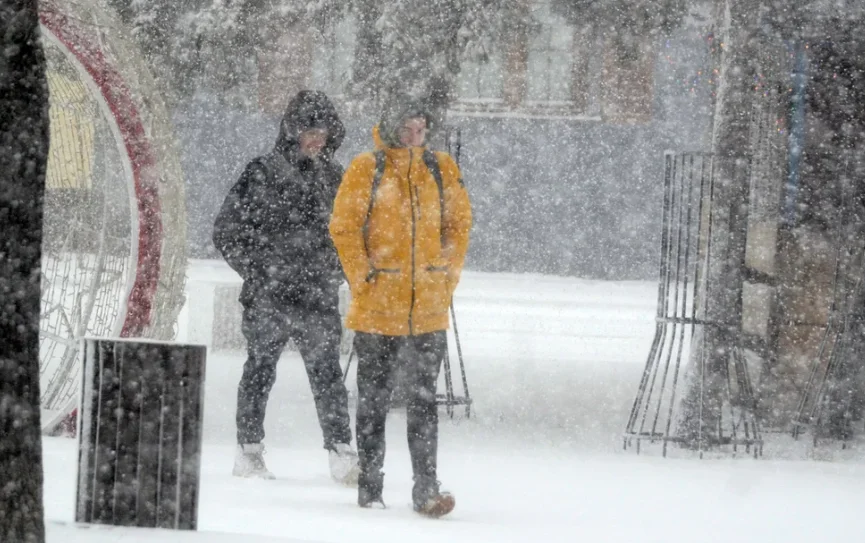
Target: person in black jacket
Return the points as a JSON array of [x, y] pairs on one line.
[[272, 230]]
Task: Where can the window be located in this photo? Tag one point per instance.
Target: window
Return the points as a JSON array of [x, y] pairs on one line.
[[549, 69], [481, 80], [550, 58]]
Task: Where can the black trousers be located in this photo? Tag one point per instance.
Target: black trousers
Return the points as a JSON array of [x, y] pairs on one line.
[[378, 359], [316, 333]]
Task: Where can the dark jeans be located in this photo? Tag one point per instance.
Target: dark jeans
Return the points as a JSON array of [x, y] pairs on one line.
[[267, 329], [378, 359]]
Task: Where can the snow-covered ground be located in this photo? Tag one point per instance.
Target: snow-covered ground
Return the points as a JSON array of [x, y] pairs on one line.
[[552, 365]]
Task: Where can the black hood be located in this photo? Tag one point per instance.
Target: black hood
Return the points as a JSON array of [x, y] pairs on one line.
[[309, 109]]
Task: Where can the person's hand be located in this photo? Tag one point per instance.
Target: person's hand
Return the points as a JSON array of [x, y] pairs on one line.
[[358, 289], [337, 277]]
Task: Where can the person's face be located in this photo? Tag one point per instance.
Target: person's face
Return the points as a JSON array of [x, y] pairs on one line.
[[312, 141], [412, 133]]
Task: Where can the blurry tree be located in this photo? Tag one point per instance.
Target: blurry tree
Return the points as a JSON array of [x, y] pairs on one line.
[[625, 21], [414, 48], [403, 46], [192, 44]]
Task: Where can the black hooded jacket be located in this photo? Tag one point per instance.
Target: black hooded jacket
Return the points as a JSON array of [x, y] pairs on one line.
[[272, 228]]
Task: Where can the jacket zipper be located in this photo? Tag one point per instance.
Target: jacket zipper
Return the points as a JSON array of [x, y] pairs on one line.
[[413, 231]]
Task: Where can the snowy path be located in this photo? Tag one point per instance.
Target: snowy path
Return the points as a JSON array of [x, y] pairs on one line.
[[524, 495], [552, 366]]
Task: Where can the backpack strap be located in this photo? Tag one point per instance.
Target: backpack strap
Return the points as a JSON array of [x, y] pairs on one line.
[[376, 181], [432, 164]]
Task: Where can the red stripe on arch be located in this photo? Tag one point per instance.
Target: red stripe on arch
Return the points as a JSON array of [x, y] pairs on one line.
[[119, 99]]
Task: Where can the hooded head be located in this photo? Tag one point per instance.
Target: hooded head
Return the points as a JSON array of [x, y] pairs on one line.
[[309, 109], [394, 115]]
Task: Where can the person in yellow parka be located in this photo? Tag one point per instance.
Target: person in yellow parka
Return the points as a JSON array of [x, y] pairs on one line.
[[400, 224]]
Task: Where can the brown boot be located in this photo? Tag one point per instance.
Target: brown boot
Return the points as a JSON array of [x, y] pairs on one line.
[[436, 506], [427, 499]]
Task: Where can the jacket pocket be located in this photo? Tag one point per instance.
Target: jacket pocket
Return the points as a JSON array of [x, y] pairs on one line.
[[382, 290], [431, 289]]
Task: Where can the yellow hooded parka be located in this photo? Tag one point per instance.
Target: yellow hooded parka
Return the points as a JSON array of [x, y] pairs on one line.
[[403, 271]]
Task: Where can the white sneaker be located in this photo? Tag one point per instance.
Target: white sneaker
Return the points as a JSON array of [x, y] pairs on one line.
[[249, 462], [343, 464]]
